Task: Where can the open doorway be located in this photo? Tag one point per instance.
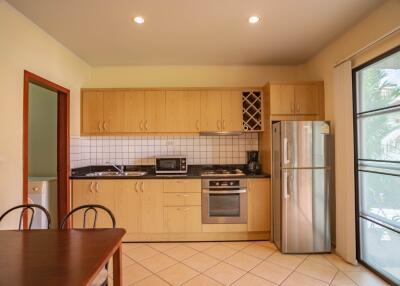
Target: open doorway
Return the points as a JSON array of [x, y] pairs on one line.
[[46, 146]]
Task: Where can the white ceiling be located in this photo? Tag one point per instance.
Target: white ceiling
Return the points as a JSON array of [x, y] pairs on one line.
[[209, 32]]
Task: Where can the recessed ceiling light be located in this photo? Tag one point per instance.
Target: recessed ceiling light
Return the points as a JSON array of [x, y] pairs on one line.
[[139, 20], [254, 19]]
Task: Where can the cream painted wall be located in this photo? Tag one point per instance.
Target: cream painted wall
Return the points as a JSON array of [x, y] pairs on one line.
[[24, 46], [189, 76], [321, 67]]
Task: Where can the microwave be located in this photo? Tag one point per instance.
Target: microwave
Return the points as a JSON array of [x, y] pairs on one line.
[[171, 165]]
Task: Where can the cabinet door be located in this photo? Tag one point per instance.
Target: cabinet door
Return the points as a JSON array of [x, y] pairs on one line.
[[183, 111], [174, 219], [306, 99], [154, 111], [128, 205], [182, 186], [192, 216], [211, 105], [134, 111], [105, 196], [152, 215], [281, 99], [82, 194], [232, 118], [114, 112], [92, 112], [259, 205]]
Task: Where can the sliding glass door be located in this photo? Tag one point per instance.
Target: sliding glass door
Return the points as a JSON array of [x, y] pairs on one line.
[[377, 134]]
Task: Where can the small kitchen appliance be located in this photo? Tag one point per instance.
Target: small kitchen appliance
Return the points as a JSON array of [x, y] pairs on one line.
[[171, 165], [253, 165]]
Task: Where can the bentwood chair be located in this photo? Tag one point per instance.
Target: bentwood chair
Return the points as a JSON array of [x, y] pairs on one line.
[[102, 277], [29, 210]]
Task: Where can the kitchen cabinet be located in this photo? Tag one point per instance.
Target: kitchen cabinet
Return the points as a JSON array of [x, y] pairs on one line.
[[296, 99], [134, 111], [113, 111], [92, 112], [182, 186], [154, 111], [259, 205], [221, 111], [183, 219], [183, 111], [93, 192], [152, 217], [128, 205]]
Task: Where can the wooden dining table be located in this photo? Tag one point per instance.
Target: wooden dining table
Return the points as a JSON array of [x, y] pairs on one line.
[[59, 257]]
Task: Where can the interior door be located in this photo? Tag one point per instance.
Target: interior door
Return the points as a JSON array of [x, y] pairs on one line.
[[183, 111], [282, 99], [154, 111], [305, 211], [211, 105], [114, 111], [92, 112], [306, 99], [134, 111], [232, 118]]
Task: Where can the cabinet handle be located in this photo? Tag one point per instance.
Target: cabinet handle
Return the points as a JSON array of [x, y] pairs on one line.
[[136, 187], [99, 125], [141, 186], [105, 125], [91, 186], [219, 124], [292, 107], [197, 124], [223, 124], [141, 125], [97, 187], [298, 107], [185, 209], [146, 125]]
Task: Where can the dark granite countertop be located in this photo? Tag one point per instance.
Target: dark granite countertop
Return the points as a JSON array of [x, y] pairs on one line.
[[194, 172]]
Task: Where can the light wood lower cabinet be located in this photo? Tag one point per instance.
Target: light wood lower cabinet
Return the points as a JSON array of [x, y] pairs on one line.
[[152, 217], [182, 186], [182, 219], [259, 204]]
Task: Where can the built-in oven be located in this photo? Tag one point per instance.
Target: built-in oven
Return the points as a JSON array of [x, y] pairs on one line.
[[224, 201], [171, 165]]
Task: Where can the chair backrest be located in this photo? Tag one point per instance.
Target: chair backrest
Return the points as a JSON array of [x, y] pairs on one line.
[[86, 209], [25, 209]]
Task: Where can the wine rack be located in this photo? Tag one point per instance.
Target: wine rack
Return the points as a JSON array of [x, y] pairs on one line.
[[252, 111]]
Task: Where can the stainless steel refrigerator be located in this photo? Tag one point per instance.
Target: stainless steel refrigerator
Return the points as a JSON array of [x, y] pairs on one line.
[[301, 186]]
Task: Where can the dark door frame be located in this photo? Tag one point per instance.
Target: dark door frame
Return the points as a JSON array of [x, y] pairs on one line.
[[63, 184]]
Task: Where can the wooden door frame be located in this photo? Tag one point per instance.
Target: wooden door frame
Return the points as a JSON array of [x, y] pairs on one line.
[[63, 164]]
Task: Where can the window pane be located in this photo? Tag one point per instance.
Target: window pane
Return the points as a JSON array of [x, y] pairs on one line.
[[378, 85], [380, 197], [379, 136], [380, 248]]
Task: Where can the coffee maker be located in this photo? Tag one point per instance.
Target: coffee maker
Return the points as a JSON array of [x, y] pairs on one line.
[[253, 166]]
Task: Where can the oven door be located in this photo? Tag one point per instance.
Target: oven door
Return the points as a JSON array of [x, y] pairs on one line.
[[224, 206]]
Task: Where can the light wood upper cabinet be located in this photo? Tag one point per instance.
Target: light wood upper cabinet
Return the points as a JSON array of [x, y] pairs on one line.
[[299, 99], [259, 205], [92, 112], [134, 111], [231, 111], [183, 111], [211, 104], [154, 111], [113, 111], [221, 111], [306, 99], [282, 99]]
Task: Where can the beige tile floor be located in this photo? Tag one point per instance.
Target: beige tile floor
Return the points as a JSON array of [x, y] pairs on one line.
[[234, 263]]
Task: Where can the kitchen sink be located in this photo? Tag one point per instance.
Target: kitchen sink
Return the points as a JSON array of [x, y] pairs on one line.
[[117, 174]]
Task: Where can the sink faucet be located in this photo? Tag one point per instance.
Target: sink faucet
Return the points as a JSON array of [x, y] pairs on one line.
[[119, 169]]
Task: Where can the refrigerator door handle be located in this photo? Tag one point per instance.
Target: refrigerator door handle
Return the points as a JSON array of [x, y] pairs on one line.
[[286, 151], [287, 191]]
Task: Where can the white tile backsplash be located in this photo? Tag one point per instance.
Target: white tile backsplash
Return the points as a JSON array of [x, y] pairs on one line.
[[141, 150]]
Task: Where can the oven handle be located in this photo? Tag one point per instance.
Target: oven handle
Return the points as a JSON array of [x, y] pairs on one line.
[[241, 191]]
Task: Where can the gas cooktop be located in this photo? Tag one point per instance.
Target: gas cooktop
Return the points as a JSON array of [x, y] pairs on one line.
[[222, 172]]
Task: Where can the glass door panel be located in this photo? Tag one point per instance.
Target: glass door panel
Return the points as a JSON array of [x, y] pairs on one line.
[[377, 118]]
